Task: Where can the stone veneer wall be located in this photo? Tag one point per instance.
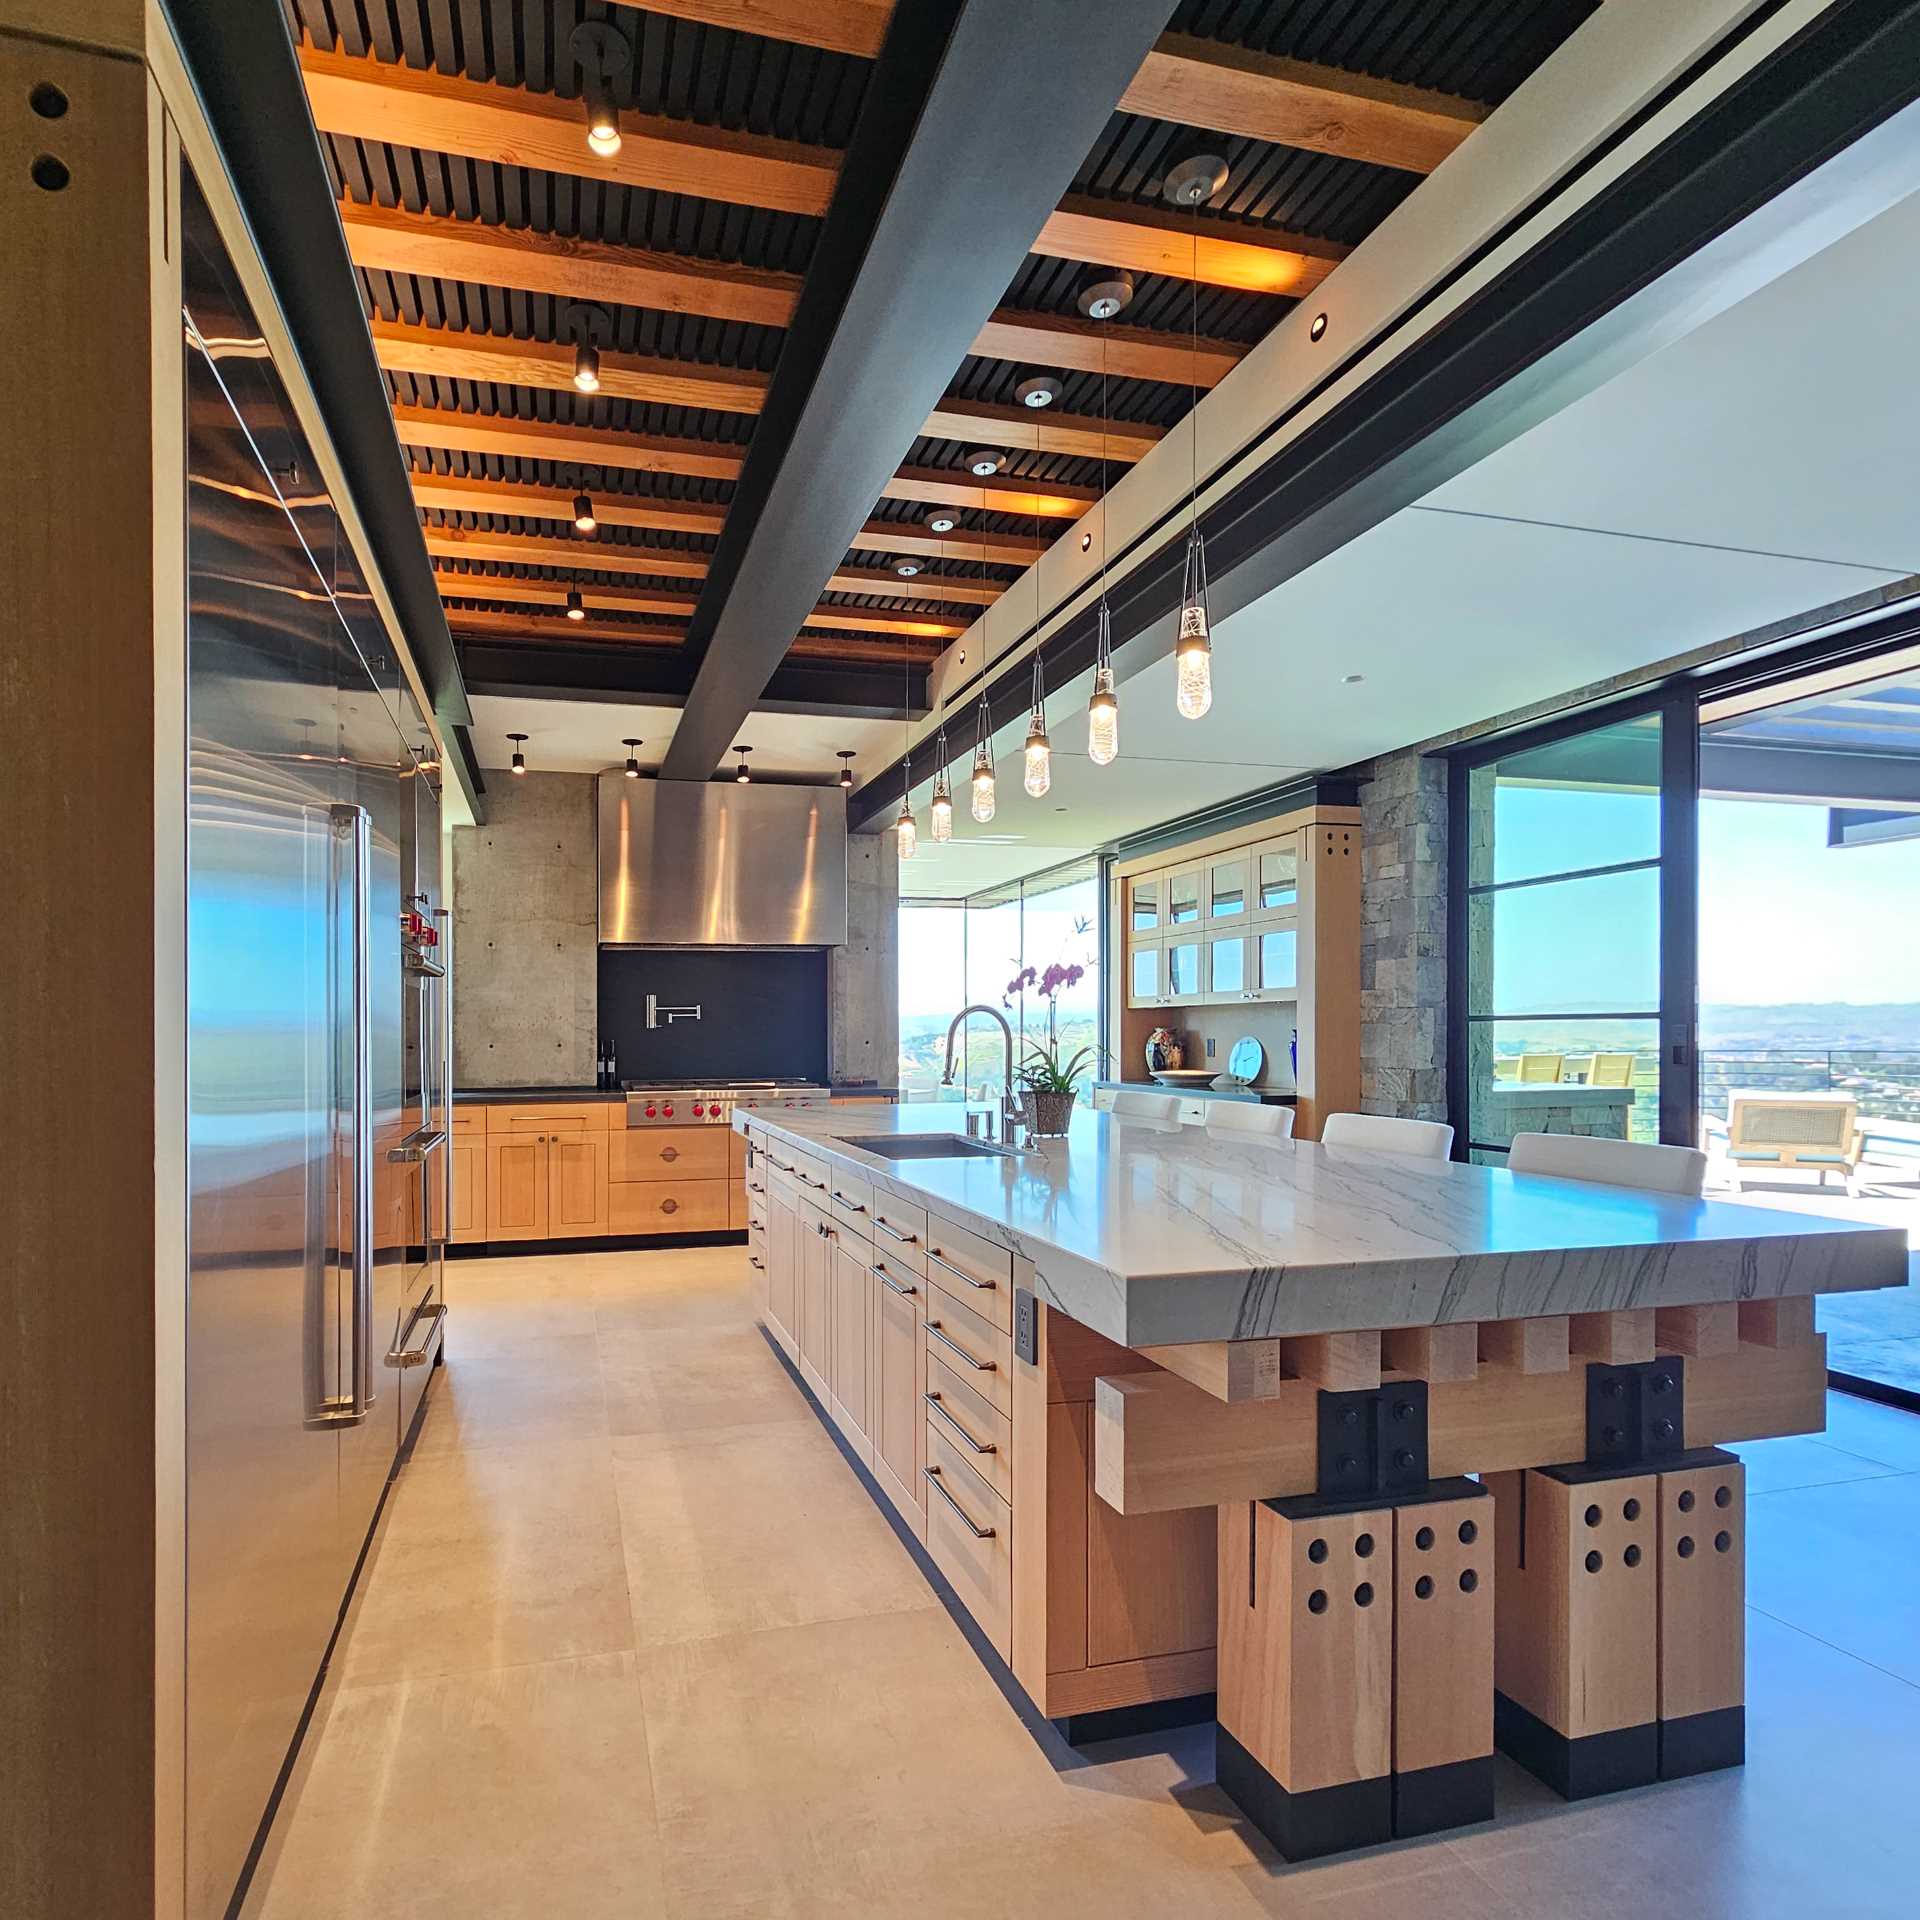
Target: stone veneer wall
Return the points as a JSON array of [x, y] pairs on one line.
[[1403, 937]]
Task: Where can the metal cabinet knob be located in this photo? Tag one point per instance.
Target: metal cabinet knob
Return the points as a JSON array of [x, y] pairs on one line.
[[669, 1206]]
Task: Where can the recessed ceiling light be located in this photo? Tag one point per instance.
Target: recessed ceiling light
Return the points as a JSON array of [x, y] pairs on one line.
[[1104, 292], [985, 460], [1037, 390], [906, 566], [1086, 542], [1318, 328], [1351, 679], [941, 519], [1194, 178]]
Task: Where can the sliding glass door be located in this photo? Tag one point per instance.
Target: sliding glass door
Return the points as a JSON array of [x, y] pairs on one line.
[[1572, 933]]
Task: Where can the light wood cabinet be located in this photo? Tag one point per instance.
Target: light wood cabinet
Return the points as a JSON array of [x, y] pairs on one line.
[[1261, 962], [469, 1152], [1186, 975], [1227, 889], [852, 1342], [516, 1186], [816, 1299], [1186, 896], [576, 1185], [783, 1268], [897, 1381], [1276, 873], [1147, 973], [1146, 904]]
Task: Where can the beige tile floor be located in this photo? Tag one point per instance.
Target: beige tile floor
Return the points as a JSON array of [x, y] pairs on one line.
[[634, 1642]]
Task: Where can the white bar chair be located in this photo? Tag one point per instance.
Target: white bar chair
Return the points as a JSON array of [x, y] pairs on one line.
[[1244, 1117], [1380, 1133], [1129, 1104], [1609, 1163]]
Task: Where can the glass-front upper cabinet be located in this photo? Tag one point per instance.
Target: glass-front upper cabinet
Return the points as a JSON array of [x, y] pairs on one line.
[[1227, 966], [1146, 903], [1227, 887], [1146, 973], [1276, 873], [1184, 905], [1274, 963], [1186, 980]]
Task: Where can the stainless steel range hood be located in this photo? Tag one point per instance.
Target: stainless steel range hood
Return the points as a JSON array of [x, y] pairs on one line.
[[711, 863]]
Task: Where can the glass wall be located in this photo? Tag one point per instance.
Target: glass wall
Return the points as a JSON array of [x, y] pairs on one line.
[[977, 951], [1563, 947]]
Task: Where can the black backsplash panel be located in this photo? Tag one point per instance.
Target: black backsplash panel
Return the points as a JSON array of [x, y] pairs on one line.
[[763, 1016]]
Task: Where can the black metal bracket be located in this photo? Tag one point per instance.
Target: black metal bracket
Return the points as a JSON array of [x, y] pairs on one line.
[[1372, 1441], [1636, 1415]]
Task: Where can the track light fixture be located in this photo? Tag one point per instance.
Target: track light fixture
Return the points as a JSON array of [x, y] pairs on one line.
[[846, 768], [741, 776], [605, 60], [633, 765], [519, 762], [584, 518]]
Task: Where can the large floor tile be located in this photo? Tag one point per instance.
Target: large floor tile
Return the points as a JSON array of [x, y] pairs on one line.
[[742, 1528], [492, 1557], [541, 1390], [520, 1794], [1775, 1466], [494, 1313], [671, 1380], [1889, 1435], [687, 1287]]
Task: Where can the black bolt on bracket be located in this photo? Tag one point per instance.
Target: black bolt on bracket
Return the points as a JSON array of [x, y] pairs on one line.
[[1372, 1441], [1636, 1414]]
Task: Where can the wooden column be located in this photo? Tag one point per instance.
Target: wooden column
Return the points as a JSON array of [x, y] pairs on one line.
[[1703, 1617]]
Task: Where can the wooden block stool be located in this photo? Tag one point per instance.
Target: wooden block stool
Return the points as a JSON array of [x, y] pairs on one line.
[[1619, 1645], [1355, 1675]]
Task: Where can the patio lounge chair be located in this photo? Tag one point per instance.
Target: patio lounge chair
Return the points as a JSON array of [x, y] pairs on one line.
[[1610, 1070], [1789, 1132], [1539, 1068]]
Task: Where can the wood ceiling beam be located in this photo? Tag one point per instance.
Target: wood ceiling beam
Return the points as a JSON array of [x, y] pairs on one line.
[[391, 240], [950, 487], [937, 589], [545, 593], [457, 432], [446, 354], [363, 98], [1145, 240], [1131, 353], [440, 353], [839, 26], [538, 624], [993, 549], [556, 503], [1294, 103]]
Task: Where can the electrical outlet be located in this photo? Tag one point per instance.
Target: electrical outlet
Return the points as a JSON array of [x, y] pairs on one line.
[[1209, 1048], [1026, 1327]]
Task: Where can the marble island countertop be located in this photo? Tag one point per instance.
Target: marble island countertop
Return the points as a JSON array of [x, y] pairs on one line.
[[1156, 1234]]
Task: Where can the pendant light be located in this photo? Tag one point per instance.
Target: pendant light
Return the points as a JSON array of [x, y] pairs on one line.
[[576, 607], [904, 829], [940, 810], [846, 768], [1193, 183], [519, 762], [588, 325], [1039, 768], [633, 765], [983, 799], [741, 776], [605, 59], [584, 518], [1103, 705]]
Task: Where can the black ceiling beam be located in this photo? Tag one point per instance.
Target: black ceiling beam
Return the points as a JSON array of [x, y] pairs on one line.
[[240, 58], [1453, 394], [550, 671], [977, 115]]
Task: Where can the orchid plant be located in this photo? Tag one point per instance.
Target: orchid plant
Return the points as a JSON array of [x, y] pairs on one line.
[[1043, 1071]]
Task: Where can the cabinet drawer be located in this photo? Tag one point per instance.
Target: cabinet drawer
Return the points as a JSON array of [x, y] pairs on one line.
[[576, 1116], [669, 1153], [664, 1206], [971, 1269], [852, 1202], [969, 1535], [467, 1118], [972, 1425], [901, 1228], [890, 1268], [812, 1175], [975, 1349]]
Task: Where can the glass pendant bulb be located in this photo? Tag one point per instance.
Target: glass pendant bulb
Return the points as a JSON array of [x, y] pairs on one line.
[[904, 827], [983, 796], [940, 809], [1103, 708], [1039, 768], [1193, 648]]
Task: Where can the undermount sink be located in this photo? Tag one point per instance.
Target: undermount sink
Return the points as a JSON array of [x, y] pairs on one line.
[[923, 1146]]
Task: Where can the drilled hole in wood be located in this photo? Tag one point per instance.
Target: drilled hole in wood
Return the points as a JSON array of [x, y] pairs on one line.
[[47, 101], [1593, 1516], [1631, 1511], [1423, 1539], [1723, 1496], [49, 173], [1363, 1546], [1316, 1551], [1317, 1601], [1686, 1500], [1686, 1546], [1423, 1587], [1469, 1533], [1363, 1595], [1722, 1541], [1631, 1556], [1593, 1563]]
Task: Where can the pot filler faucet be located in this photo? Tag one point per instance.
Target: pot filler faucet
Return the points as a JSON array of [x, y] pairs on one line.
[[1011, 1112]]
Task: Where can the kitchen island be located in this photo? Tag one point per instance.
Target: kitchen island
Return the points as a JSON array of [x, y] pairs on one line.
[[1179, 1417]]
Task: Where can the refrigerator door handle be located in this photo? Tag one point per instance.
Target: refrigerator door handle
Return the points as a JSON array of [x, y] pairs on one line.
[[445, 998]]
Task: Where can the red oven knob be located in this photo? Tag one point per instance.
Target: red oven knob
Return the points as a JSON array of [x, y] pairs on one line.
[[698, 1109], [668, 1110], [651, 1113]]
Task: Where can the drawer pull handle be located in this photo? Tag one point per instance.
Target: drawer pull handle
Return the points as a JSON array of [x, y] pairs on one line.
[[887, 1280], [852, 1206], [781, 1164], [947, 1266], [669, 1153], [754, 1260], [819, 1186], [932, 1476], [953, 1346], [881, 1221], [934, 1401], [754, 1186], [825, 1233]]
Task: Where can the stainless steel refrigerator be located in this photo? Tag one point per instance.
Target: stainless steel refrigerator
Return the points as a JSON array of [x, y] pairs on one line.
[[318, 1059]]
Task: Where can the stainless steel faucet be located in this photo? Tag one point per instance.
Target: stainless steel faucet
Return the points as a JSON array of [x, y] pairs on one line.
[[1012, 1114]]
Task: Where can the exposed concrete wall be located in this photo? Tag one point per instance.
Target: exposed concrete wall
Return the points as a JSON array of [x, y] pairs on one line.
[[525, 936], [863, 977], [1403, 937]]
